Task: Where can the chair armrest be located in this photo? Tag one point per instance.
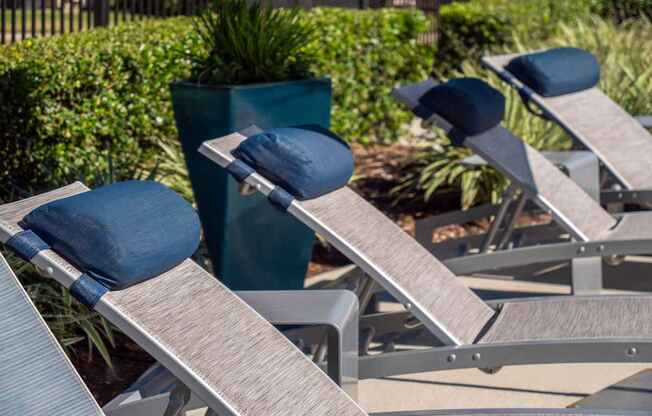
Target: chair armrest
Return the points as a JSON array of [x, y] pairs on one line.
[[337, 309]]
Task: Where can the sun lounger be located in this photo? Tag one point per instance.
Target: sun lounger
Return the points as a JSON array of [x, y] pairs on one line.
[[589, 116], [475, 334], [593, 232], [216, 344], [210, 339]]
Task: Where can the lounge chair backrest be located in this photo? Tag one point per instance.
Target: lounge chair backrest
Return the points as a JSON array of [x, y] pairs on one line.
[[381, 249], [593, 119], [36, 377], [544, 182], [225, 352], [571, 206]]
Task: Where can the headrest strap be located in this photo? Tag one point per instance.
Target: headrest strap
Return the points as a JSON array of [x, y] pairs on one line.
[[457, 137], [87, 290], [26, 244], [526, 96], [280, 198], [239, 170]]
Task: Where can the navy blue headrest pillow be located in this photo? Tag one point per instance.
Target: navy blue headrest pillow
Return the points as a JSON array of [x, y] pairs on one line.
[[556, 71], [306, 161], [469, 104], [120, 234]]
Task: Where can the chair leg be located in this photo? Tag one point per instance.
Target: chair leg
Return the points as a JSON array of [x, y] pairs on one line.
[[179, 398], [586, 276]]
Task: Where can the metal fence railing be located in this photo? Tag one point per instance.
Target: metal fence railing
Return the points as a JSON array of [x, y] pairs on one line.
[[23, 19], [429, 7]]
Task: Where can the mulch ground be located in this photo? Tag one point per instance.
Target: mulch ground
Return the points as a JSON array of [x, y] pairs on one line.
[[378, 171]]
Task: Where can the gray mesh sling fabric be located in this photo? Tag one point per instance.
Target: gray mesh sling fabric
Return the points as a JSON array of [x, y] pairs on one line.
[[36, 378], [592, 118], [573, 318], [384, 251]]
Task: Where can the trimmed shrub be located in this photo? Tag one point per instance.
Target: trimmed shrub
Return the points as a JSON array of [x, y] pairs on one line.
[[96, 106], [467, 31], [89, 105], [470, 29], [367, 54]]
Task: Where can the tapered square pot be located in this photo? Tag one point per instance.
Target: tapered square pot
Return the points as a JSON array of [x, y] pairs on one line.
[[252, 245]]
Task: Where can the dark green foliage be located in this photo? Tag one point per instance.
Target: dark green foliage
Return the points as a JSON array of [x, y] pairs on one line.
[[467, 30], [367, 54], [622, 10], [97, 104], [470, 29], [247, 42], [71, 105]]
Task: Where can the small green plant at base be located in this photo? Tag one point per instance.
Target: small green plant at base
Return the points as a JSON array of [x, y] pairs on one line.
[[69, 320], [247, 43]]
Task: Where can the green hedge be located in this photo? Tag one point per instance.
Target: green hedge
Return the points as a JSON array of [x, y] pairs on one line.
[[90, 105], [368, 53], [96, 105], [470, 29]]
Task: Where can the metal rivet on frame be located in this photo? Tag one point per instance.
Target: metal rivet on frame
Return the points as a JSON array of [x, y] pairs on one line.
[[476, 356], [632, 351], [600, 248], [408, 306], [451, 358], [581, 250]]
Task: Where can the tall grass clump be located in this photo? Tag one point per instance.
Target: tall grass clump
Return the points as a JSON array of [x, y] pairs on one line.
[[246, 42], [624, 54]]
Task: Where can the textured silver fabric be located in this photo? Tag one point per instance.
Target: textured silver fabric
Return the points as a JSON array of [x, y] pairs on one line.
[[393, 253], [225, 343], [573, 318], [219, 339], [36, 378], [592, 118], [529, 168], [380, 247]]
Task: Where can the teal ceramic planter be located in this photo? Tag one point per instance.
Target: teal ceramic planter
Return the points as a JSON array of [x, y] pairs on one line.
[[253, 246]]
